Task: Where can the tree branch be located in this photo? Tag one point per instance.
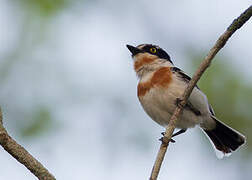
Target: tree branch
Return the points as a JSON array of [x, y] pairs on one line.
[[236, 24], [21, 155]]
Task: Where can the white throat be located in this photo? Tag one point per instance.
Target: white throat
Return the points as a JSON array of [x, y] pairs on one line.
[[147, 69]]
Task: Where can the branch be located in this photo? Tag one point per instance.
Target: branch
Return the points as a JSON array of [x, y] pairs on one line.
[[21, 155], [236, 24]]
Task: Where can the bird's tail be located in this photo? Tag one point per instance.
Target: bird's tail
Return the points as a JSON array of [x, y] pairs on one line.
[[224, 138]]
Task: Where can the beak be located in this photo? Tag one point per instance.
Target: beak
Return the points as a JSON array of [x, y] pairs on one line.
[[133, 50]]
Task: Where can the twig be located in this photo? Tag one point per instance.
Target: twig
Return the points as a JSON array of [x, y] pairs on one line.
[[21, 155], [236, 24]]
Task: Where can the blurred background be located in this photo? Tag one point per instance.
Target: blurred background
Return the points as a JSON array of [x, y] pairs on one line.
[[68, 89]]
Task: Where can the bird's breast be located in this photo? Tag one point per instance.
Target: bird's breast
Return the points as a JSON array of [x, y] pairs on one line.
[[158, 94], [159, 79]]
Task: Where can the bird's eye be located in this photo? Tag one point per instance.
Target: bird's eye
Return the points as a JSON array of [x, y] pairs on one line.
[[153, 50]]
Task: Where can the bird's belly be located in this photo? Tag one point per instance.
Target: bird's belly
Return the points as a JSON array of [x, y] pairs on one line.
[[160, 104]]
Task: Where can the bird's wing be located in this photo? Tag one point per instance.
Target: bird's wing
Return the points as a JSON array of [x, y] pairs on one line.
[[211, 109], [182, 75], [186, 79]]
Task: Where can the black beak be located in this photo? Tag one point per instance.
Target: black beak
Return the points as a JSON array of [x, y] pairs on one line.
[[133, 50]]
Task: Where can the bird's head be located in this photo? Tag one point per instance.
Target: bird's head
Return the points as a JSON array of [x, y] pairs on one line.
[[147, 54]]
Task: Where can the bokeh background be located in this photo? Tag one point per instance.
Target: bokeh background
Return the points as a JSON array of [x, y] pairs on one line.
[[68, 89]]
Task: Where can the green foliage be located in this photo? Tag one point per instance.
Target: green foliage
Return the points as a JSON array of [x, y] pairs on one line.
[[40, 122], [44, 7], [229, 95]]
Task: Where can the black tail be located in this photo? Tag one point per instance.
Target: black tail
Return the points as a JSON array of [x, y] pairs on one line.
[[225, 138]]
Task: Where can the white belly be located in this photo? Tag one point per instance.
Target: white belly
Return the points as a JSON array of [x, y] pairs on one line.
[[160, 103]]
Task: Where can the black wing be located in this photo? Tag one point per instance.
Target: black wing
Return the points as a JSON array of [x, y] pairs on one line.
[[182, 75], [211, 109], [186, 78]]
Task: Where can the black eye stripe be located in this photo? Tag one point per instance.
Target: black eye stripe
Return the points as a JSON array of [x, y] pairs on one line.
[[148, 47], [159, 51]]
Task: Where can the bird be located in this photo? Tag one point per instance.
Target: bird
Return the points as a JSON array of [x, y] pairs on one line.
[[160, 86]]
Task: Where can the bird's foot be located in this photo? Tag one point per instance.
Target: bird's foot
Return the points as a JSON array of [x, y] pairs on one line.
[[178, 102], [162, 139]]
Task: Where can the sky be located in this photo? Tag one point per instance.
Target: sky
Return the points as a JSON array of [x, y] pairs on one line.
[[76, 65]]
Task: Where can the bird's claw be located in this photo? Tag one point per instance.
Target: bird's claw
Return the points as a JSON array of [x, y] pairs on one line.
[[162, 139], [178, 102]]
